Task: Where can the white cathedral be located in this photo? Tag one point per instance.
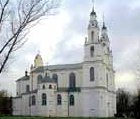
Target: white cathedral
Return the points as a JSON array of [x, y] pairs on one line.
[[85, 89]]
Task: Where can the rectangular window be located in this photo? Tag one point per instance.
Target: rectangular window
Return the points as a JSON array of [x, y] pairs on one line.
[[33, 100], [44, 99], [59, 98], [92, 77], [107, 80], [27, 88], [44, 102], [92, 36]]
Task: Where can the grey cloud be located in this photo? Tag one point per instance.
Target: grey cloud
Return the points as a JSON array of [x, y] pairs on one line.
[[123, 24], [66, 52]]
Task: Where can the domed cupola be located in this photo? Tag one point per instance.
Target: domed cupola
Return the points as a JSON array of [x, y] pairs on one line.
[[93, 13], [38, 62]]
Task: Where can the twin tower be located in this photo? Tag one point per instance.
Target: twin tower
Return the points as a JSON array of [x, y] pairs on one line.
[[99, 98], [85, 89], [97, 83]]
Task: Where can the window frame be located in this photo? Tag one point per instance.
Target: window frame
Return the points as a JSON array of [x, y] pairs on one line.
[[92, 74], [92, 51], [59, 99], [44, 99], [71, 100], [92, 36], [55, 77], [33, 100], [43, 87], [50, 86], [27, 88], [72, 80]]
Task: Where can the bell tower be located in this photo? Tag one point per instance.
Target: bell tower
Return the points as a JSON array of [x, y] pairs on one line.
[[93, 28], [98, 83], [92, 41]]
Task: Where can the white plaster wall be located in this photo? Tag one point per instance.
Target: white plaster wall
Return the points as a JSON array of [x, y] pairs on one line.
[[34, 108], [96, 34], [99, 75], [98, 53], [62, 110], [16, 102], [25, 105], [76, 109], [50, 108], [63, 77], [90, 103], [34, 80], [21, 86], [18, 88], [103, 97]]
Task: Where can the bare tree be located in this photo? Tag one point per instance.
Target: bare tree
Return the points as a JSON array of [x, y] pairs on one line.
[[16, 19]]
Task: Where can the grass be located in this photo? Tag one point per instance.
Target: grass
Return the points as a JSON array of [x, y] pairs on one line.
[[24, 117]]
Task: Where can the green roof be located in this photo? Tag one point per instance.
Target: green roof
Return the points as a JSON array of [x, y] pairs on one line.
[[23, 78], [47, 79], [59, 67]]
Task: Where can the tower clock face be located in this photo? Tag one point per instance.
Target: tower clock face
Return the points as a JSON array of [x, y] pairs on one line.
[[94, 23]]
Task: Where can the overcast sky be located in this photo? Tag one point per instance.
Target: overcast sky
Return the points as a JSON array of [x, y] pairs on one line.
[[60, 39]]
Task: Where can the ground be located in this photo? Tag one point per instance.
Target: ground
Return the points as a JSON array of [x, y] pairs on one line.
[[19, 117]]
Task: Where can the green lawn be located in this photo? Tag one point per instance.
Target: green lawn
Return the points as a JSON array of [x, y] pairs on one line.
[[20, 117]]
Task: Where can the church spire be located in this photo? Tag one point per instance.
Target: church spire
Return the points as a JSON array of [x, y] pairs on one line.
[[93, 18], [104, 34], [104, 26], [93, 28], [93, 11]]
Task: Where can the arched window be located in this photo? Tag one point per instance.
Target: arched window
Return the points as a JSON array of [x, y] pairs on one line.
[[55, 77], [46, 74], [50, 86], [104, 44], [43, 87], [92, 36], [27, 88], [39, 77], [72, 80], [108, 49], [92, 51], [33, 100], [107, 80], [44, 99], [71, 100], [59, 99], [92, 74]]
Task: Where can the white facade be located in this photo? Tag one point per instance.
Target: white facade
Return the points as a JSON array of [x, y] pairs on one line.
[[85, 89]]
